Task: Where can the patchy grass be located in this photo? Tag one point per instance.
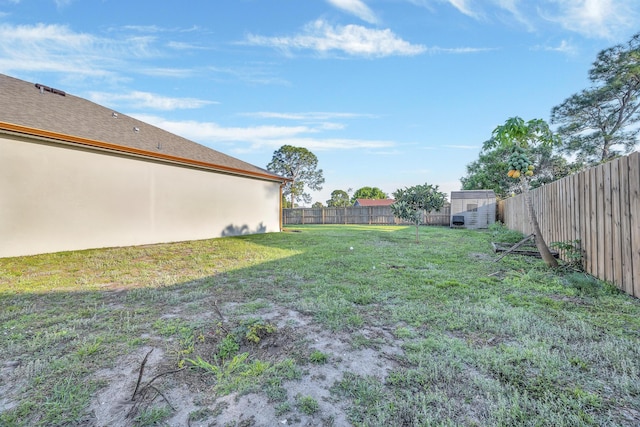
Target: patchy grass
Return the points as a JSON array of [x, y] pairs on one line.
[[449, 336]]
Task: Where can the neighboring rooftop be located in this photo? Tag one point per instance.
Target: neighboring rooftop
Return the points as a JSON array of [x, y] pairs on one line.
[[374, 202], [37, 106]]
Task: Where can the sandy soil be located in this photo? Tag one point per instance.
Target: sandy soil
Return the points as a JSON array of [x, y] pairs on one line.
[[190, 394]]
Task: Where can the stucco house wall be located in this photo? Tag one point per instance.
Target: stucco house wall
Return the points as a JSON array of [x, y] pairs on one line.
[[75, 175], [55, 198]]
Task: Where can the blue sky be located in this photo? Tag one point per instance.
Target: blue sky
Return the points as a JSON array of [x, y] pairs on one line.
[[387, 93]]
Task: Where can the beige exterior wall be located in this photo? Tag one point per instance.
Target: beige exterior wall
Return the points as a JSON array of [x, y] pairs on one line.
[[56, 198]]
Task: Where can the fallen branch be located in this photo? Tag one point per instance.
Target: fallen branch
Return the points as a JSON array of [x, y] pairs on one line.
[[161, 374], [215, 306], [142, 365], [163, 396], [514, 247], [141, 394]]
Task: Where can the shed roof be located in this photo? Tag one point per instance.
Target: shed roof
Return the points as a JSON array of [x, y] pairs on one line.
[[473, 194], [39, 110]]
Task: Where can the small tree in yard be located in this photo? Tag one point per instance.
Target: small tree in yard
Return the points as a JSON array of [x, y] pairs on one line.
[[520, 136], [411, 202]]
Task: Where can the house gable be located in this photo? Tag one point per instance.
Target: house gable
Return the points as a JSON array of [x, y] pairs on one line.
[[76, 175], [42, 111]]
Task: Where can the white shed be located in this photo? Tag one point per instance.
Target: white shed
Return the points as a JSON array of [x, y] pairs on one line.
[[473, 208]]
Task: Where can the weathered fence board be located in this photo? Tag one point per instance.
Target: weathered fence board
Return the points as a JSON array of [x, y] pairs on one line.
[[378, 215], [634, 210], [625, 226], [601, 208], [616, 232]]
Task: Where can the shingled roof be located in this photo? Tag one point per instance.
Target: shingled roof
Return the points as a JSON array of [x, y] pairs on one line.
[[40, 110], [374, 202]]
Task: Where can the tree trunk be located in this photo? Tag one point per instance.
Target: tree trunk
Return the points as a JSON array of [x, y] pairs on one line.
[[292, 195], [547, 257]]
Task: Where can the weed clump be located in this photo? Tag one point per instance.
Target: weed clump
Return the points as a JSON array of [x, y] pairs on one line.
[[500, 233], [307, 405], [318, 357]]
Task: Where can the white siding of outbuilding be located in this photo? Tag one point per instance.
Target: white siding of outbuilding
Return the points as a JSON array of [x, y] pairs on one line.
[[477, 206]]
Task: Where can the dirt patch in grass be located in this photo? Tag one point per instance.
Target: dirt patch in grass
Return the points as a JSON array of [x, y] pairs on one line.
[[190, 393]]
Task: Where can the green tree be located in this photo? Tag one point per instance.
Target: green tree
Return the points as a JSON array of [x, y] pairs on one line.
[[412, 202], [339, 198], [317, 205], [286, 204], [597, 124], [301, 166], [368, 193], [520, 137], [486, 173]]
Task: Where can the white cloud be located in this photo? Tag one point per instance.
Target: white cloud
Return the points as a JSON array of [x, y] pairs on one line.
[[167, 72], [320, 119], [463, 7], [357, 8], [137, 99], [563, 47], [184, 46], [254, 73], [511, 6], [56, 48], [323, 144], [314, 115], [252, 138], [143, 28], [212, 132], [355, 40], [593, 18], [52, 48], [331, 126], [62, 3], [459, 50]]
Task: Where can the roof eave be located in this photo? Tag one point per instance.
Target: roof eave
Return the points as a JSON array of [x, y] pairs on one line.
[[85, 142]]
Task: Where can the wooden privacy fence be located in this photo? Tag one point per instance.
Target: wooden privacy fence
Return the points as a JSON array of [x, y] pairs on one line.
[[380, 215], [601, 208]]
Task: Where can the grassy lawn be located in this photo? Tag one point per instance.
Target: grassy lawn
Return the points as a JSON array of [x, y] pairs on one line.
[[321, 325]]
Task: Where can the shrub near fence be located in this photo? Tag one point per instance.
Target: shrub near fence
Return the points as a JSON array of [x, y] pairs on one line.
[[601, 208], [379, 215]]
